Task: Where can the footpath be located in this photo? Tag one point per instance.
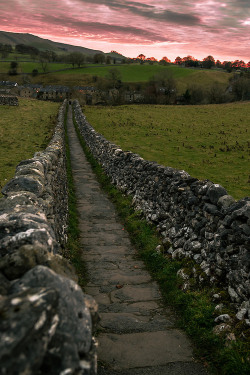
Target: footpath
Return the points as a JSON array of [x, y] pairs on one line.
[[136, 334]]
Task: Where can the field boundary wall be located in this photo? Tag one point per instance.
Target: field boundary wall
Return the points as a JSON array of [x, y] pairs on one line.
[[197, 219], [46, 323]]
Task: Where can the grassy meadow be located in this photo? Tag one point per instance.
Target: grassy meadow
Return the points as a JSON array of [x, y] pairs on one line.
[[130, 74], [28, 67], [136, 73], [23, 131], [208, 141]]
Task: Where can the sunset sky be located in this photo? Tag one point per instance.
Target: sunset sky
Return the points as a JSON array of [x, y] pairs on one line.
[[153, 27]]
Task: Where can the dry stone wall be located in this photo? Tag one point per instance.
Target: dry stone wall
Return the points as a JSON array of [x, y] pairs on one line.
[[46, 322], [8, 100], [197, 217]]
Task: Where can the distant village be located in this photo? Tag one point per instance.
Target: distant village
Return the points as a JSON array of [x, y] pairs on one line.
[[88, 95]]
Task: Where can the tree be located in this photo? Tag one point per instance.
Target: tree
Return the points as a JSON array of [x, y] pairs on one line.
[[114, 77], [238, 64], [44, 62], [23, 48], [190, 61], [161, 89], [5, 49], [108, 60], [208, 62], [217, 94], [13, 68], [194, 94], [165, 61], [141, 58], [218, 64], [178, 60], [227, 65], [241, 88], [99, 58], [76, 58], [151, 60], [34, 72]]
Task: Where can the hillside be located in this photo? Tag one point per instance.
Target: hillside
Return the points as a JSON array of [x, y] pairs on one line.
[[42, 44]]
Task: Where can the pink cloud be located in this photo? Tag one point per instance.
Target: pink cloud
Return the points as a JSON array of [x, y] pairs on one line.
[[155, 28]]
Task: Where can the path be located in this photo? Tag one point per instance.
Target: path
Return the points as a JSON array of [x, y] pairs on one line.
[[137, 336]]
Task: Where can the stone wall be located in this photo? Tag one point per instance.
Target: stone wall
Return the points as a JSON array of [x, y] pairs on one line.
[[196, 217], [46, 321], [8, 100]]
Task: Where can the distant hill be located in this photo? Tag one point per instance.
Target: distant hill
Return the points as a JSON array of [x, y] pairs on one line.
[[42, 44]]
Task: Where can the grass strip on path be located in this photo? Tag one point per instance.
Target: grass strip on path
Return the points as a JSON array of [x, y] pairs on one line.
[[73, 247]]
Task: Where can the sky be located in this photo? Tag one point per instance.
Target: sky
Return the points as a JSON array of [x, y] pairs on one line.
[[155, 28]]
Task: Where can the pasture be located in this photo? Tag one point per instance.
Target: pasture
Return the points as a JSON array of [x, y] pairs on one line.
[[23, 131], [136, 73], [208, 141], [130, 74]]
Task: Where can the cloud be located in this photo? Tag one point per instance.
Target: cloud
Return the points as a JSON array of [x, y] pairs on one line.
[[196, 27], [150, 12], [107, 31]]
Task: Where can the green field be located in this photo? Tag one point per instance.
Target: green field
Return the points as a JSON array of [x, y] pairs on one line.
[[136, 73], [23, 131], [133, 73], [208, 141], [28, 67]]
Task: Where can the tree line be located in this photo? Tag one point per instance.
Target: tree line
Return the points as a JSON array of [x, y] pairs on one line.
[[77, 59]]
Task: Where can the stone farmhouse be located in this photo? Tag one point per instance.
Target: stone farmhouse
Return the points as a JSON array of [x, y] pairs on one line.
[[8, 100], [133, 97], [54, 93], [8, 88]]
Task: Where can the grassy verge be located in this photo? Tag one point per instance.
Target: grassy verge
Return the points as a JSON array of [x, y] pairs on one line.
[[194, 308], [24, 130], [72, 250]]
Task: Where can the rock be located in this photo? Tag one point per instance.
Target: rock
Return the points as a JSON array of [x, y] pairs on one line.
[[24, 183], [159, 249], [222, 318], [216, 191], [225, 201], [74, 316], [233, 295], [221, 329], [15, 264], [181, 273], [211, 209], [61, 266], [216, 297], [28, 322], [219, 307], [241, 314], [4, 284]]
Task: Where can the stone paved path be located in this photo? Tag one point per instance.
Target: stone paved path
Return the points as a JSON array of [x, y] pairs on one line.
[[136, 334]]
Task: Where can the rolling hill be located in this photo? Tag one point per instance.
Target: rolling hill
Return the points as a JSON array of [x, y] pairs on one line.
[[42, 44]]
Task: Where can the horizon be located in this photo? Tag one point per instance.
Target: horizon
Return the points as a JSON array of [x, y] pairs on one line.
[[154, 28]]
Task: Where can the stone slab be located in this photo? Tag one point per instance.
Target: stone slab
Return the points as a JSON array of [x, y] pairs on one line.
[[175, 368], [148, 349], [128, 322], [113, 277], [135, 293]]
